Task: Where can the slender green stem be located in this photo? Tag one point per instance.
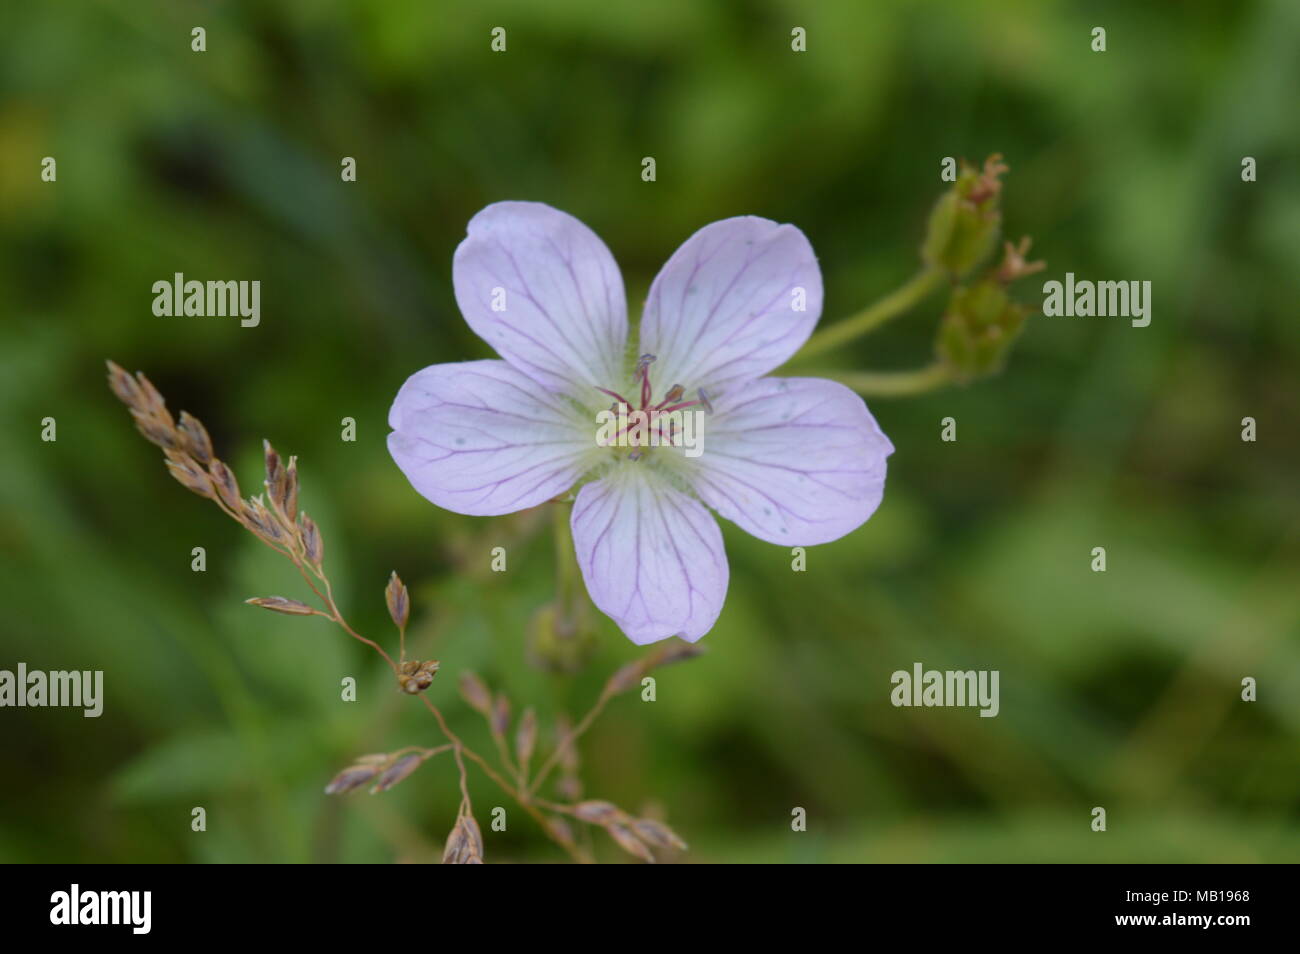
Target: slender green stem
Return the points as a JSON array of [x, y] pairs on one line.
[[503, 753], [338, 618], [568, 583], [569, 740], [894, 383], [564, 566], [875, 315], [520, 796]]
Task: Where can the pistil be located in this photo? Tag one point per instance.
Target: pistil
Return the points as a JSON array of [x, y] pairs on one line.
[[672, 401]]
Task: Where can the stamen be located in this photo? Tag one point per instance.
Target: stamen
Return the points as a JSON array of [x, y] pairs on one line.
[[615, 395], [678, 407], [674, 394], [643, 372], [651, 418], [631, 423]]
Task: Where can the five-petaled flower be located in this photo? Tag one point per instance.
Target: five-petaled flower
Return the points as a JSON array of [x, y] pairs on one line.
[[793, 461]]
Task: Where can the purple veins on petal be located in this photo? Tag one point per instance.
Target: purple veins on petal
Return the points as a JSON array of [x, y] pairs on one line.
[[793, 461], [735, 301], [482, 438], [543, 290], [651, 556]]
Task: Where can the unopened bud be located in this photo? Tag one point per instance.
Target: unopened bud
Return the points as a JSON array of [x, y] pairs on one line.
[[309, 533], [289, 499], [657, 834], [279, 604], [629, 842], [965, 221], [195, 437], [978, 328], [464, 844], [399, 601], [223, 478], [124, 385], [396, 772], [597, 812], [351, 778], [501, 714], [526, 736], [189, 474], [274, 471], [475, 692]]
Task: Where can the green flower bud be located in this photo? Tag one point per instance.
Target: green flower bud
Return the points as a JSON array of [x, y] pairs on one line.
[[965, 222], [978, 328]]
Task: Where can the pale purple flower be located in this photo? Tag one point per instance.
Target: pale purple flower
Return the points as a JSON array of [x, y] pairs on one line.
[[793, 461]]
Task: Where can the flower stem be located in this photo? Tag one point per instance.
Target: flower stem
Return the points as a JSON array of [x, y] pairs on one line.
[[568, 741], [519, 795], [565, 581], [894, 383], [875, 315], [569, 594]]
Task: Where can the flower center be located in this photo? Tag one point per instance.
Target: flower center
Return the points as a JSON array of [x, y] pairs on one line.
[[651, 423]]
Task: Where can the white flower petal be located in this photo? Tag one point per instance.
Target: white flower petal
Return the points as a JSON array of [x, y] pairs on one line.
[[483, 438], [544, 291], [794, 461], [725, 307], [651, 556]]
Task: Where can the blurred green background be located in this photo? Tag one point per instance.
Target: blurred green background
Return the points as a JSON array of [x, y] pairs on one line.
[[1118, 689]]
